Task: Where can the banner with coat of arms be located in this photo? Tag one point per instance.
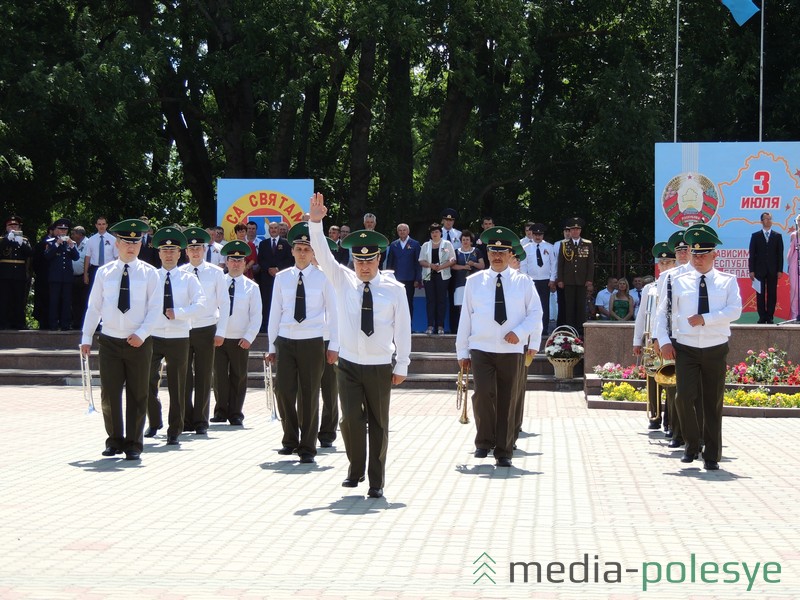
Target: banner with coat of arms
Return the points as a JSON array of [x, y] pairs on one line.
[[729, 186], [260, 201]]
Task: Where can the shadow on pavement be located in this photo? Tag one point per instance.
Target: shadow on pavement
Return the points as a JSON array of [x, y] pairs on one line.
[[107, 465], [294, 467], [493, 472], [354, 506]]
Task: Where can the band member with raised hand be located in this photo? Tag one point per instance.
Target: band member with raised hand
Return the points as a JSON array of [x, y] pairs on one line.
[[303, 308], [208, 331], [244, 321], [501, 312], [374, 311], [704, 304], [183, 299], [128, 299]]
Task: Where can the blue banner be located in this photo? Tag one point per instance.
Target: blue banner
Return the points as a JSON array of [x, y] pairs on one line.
[[741, 10]]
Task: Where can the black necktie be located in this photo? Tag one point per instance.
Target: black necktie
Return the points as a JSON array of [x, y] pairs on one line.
[[539, 260], [367, 325], [196, 273], [499, 302], [300, 301], [208, 254], [231, 290], [167, 295], [702, 301], [274, 244], [124, 302]]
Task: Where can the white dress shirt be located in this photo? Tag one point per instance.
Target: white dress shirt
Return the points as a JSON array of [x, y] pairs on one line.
[[216, 255], [188, 300], [724, 302], [477, 329], [218, 303], [110, 252], [321, 316], [391, 318], [146, 297], [641, 317], [530, 266], [453, 236], [245, 321], [77, 265]]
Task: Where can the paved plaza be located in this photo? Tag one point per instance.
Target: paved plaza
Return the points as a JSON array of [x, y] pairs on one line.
[[227, 517]]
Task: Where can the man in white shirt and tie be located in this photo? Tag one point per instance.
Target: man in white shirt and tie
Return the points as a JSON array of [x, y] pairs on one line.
[[183, 299], [101, 249], [207, 333], [127, 297], [373, 311], [244, 321], [303, 309], [541, 265]]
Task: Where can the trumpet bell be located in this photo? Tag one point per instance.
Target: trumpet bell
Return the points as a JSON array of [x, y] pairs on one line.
[[665, 375]]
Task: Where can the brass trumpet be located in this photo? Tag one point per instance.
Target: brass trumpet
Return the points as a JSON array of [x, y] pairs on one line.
[[86, 381], [462, 390]]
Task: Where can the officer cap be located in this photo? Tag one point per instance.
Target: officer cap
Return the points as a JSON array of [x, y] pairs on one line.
[[519, 252], [365, 244], [537, 228], [131, 230], [196, 236], [299, 234], [62, 224], [450, 213], [499, 238], [701, 238], [169, 237], [675, 241], [236, 249], [13, 219], [662, 250], [574, 222]]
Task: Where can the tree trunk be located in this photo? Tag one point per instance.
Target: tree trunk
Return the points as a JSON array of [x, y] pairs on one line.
[[359, 140]]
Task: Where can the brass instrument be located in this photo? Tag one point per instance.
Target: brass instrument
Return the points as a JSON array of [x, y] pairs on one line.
[[86, 382], [662, 371], [269, 390], [462, 391]]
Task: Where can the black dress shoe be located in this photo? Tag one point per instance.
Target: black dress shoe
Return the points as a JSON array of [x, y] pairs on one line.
[[711, 465], [188, 427], [326, 444], [503, 461], [237, 422], [306, 458], [654, 425], [201, 430], [286, 450], [668, 434], [481, 453], [375, 493], [675, 443], [132, 455], [218, 419], [151, 432], [172, 440], [352, 482], [111, 451], [687, 458]]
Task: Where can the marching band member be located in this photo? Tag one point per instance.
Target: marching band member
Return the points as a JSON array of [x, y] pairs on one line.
[[492, 342], [374, 311], [183, 299], [207, 333], [303, 308], [704, 303]]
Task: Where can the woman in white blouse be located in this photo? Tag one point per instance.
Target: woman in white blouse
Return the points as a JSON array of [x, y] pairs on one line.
[[436, 257]]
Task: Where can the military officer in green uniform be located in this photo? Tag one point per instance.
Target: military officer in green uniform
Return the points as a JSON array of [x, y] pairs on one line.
[[127, 298], [575, 273]]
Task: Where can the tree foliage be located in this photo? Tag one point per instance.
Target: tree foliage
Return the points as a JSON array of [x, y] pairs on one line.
[[525, 110]]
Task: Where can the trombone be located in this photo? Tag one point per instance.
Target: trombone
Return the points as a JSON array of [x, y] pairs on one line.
[[462, 389], [269, 390], [86, 382]]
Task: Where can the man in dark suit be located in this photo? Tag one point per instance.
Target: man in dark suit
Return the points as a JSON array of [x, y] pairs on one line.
[[766, 264], [274, 254], [402, 257]]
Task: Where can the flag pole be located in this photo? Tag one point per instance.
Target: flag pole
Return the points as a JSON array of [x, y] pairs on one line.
[[761, 80], [677, 63]]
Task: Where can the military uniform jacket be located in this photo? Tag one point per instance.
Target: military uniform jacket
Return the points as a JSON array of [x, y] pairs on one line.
[[576, 262], [60, 259], [13, 258]]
